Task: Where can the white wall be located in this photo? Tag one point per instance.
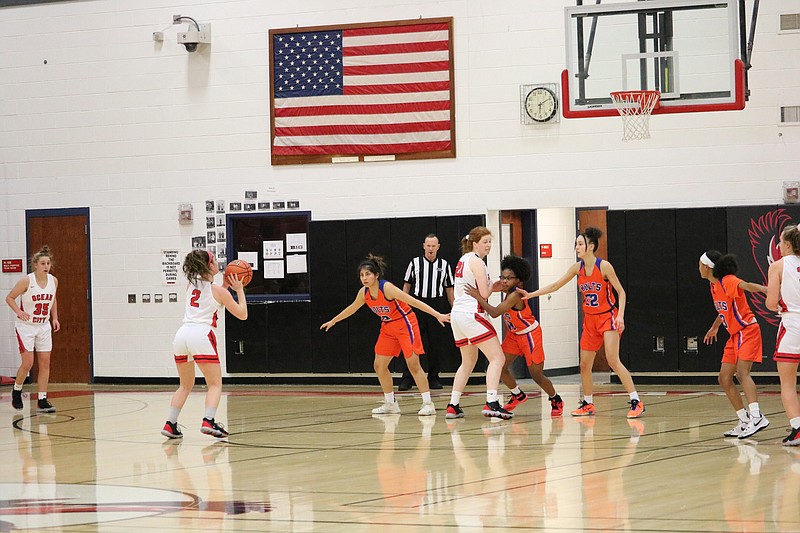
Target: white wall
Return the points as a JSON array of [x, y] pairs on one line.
[[131, 128]]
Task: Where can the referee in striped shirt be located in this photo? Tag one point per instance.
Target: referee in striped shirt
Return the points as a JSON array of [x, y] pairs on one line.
[[429, 279]]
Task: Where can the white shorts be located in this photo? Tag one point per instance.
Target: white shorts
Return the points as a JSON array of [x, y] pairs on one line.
[[471, 328], [32, 337], [787, 346], [195, 342]]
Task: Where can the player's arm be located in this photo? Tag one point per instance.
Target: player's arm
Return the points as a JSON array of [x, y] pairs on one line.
[[54, 309], [346, 312], [774, 280], [711, 334], [753, 287], [553, 287], [392, 292], [611, 275], [238, 307], [481, 278], [11, 299], [509, 302]]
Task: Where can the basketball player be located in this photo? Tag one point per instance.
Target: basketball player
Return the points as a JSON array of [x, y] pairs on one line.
[[196, 340], [523, 333], [37, 319], [603, 321], [471, 327], [399, 331], [783, 295], [744, 345]]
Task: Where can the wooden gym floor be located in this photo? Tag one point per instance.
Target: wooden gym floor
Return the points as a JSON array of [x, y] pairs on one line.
[[315, 459]]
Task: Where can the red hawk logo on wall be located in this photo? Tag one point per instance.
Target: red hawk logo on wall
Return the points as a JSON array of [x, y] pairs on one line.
[[764, 236]]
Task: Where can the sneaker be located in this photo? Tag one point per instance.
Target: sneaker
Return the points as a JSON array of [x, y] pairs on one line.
[[454, 411], [171, 430], [754, 426], [637, 409], [16, 399], [494, 409], [43, 406], [405, 383], [210, 427], [556, 406], [515, 400], [584, 409], [387, 409], [793, 439], [736, 430], [427, 409]]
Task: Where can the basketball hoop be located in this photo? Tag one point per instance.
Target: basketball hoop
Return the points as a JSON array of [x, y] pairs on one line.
[[635, 108]]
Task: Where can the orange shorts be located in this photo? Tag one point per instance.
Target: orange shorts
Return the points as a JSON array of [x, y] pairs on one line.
[[744, 345], [594, 326], [528, 344], [400, 336]]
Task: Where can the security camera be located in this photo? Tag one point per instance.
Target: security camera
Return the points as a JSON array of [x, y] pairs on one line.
[[190, 47], [191, 38]]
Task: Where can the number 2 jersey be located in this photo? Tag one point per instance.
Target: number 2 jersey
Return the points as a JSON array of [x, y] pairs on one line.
[[388, 310], [201, 307], [37, 301], [598, 298]]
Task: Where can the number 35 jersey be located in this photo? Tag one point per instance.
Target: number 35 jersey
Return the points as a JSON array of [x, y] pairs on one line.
[[598, 297], [37, 301]]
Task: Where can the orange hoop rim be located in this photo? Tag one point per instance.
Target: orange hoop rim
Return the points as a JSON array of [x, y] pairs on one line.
[[636, 96]]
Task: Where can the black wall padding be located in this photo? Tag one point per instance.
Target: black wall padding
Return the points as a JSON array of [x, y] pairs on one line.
[[291, 320], [253, 332]]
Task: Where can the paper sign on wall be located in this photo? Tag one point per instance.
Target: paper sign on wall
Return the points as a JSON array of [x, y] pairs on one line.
[[296, 264], [170, 266], [273, 249], [273, 270], [250, 257], [296, 242]]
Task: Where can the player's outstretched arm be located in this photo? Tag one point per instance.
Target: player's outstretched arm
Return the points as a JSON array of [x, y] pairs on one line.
[[391, 291], [346, 312]]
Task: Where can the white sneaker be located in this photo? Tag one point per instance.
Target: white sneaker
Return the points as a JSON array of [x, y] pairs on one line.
[[736, 430], [387, 409], [754, 426], [427, 409]]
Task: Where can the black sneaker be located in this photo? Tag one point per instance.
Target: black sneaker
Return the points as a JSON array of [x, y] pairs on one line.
[[210, 427], [16, 399], [793, 439], [405, 383], [43, 406], [454, 411], [493, 409], [172, 430]]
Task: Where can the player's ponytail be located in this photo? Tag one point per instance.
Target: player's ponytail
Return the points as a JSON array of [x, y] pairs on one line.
[[197, 265], [592, 236], [373, 263], [474, 235], [791, 234]]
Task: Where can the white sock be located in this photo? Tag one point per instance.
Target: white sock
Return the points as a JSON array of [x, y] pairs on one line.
[[795, 422], [42, 395], [426, 397], [587, 398], [211, 412], [173, 414], [17, 387], [455, 397], [742, 414], [635, 396], [755, 410], [516, 390], [388, 397], [491, 396]]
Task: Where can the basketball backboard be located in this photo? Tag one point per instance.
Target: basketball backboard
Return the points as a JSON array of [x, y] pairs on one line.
[[687, 49]]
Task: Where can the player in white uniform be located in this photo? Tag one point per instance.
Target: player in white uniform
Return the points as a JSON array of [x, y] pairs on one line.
[[37, 318], [196, 340], [783, 295], [472, 328]]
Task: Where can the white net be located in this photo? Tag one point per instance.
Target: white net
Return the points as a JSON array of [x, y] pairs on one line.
[[635, 108]]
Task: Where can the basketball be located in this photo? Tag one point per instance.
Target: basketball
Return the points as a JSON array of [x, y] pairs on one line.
[[241, 268]]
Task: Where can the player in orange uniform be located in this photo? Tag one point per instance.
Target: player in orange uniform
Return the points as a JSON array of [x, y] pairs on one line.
[[523, 333], [744, 345], [603, 322], [399, 331]]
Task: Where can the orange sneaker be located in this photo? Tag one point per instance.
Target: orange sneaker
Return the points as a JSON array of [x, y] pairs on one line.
[[515, 400], [584, 409], [637, 408], [556, 406]]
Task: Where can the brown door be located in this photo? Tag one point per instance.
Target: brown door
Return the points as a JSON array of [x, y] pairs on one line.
[[596, 218], [66, 232]]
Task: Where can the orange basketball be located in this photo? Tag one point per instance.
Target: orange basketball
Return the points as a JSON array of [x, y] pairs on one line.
[[241, 268]]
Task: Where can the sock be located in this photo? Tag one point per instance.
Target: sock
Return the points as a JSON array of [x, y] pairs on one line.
[[635, 396], [491, 396], [388, 397], [588, 398], [17, 387], [42, 395], [210, 413], [173, 414], [426, 397], [516, 390], [455, 397], [554, 397], [742, 414], [795, 422], [755, 410]]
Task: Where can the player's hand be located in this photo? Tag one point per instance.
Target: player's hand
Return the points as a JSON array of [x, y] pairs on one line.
[[525, 294], [711, 336], [443, 319], [497, 286], [472, 291], [620, 321], [234, 282], [56, 325], [23, 316], [327, 325]]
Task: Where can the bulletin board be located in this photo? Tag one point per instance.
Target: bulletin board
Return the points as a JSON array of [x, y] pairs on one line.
[[276, 246]]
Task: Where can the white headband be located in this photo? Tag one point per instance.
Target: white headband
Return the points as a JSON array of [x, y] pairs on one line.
[[706, 261]]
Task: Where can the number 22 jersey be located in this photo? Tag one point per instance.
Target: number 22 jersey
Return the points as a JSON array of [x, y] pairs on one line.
[[598, 297]]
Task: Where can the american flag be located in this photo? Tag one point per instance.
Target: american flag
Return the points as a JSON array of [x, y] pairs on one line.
[[379, 89]]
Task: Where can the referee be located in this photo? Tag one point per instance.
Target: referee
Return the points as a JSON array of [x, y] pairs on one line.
[[429, 279]]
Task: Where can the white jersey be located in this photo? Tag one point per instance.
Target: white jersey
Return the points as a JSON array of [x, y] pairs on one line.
[[37, 301], [201, 307], [465, 303], [790, 284]]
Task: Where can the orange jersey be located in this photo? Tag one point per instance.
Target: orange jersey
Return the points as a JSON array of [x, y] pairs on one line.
[[517, 320], [385, 308], [598, 297], [731, 304]]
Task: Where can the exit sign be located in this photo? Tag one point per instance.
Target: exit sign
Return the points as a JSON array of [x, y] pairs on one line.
[[12, 265]]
